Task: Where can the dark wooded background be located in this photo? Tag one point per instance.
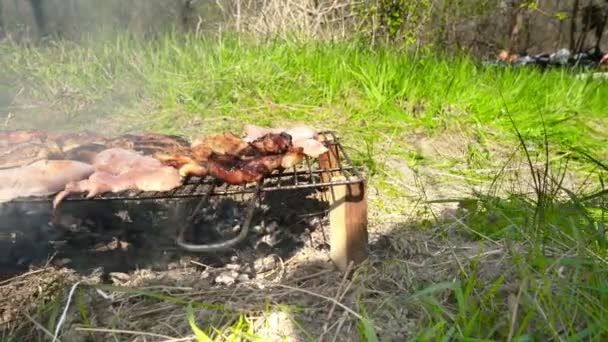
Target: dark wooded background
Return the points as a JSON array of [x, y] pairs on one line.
[[481, 27]]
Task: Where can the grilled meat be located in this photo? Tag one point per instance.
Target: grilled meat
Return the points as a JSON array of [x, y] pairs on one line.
[[145, 179], [170, 150], [221, 144], [45, 163], [150, 143], [311, 147], [118, 160], [41, 178], [84, 153], [301, 136], [118, 170], [254, 132], [185, 163], [230, 144], [222, 155], [21, 148], [270, 143], [22, 136], [70, 141], [230, 159], [234, 170], [25, 153]]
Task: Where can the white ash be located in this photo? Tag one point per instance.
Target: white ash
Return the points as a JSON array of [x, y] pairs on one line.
[[227, 277]]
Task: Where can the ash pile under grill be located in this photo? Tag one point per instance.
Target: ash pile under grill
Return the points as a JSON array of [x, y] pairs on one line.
[[124, 236]]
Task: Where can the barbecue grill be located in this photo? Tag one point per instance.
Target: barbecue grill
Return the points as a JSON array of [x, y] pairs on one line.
[[333, 174]]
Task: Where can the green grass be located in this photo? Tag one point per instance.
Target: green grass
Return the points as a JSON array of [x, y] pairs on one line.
[[372, 91], [378, 100]]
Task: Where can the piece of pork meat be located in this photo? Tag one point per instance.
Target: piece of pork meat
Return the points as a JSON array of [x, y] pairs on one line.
[[118, 170], [301, 136], [21, 136], [118, 160], [270, 143], [221, 144], [170, 150], [22, 154], [66, 141], [69, 141], [84, 153], [230, 144], [164, 178], [254, 132], [150, 143], [311, 147], [41, 178], [186, 164], [19, 148], [195, 161], [235, 171]]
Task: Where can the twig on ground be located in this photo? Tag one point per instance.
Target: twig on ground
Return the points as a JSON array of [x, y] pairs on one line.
[[39, 326], [24, 275], [181, 339], [514, 313], [473, 231], [127, 332], [309, 276], [339, 295], [351, 311], [340, 324], [65, 311]]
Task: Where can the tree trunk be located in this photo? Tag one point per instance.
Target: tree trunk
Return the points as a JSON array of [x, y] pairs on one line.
[[517, 25], [39, 17], [575, 7], [1, 22], [185, 12]]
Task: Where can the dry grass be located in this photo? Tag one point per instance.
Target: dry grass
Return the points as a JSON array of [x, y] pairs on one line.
[[302, 298]]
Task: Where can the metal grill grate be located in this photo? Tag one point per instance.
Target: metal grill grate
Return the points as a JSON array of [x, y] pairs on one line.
[[308, 174]]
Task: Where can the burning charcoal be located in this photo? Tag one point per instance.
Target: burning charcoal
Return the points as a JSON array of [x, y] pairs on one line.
[[124, 215], [263, 248], [315, 221], [50, 233], [227, 278], [272, 226], [288, 244], [258, 229], [272, 239], [69, 222], [62, 262], [115, 244], [236, 228], [264, 207], [235, 259]]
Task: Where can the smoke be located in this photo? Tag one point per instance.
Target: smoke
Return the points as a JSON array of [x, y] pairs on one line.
[[72, 19]]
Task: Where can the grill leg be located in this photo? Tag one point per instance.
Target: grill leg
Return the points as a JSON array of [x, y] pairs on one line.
[[347, 215], [348, 225]]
